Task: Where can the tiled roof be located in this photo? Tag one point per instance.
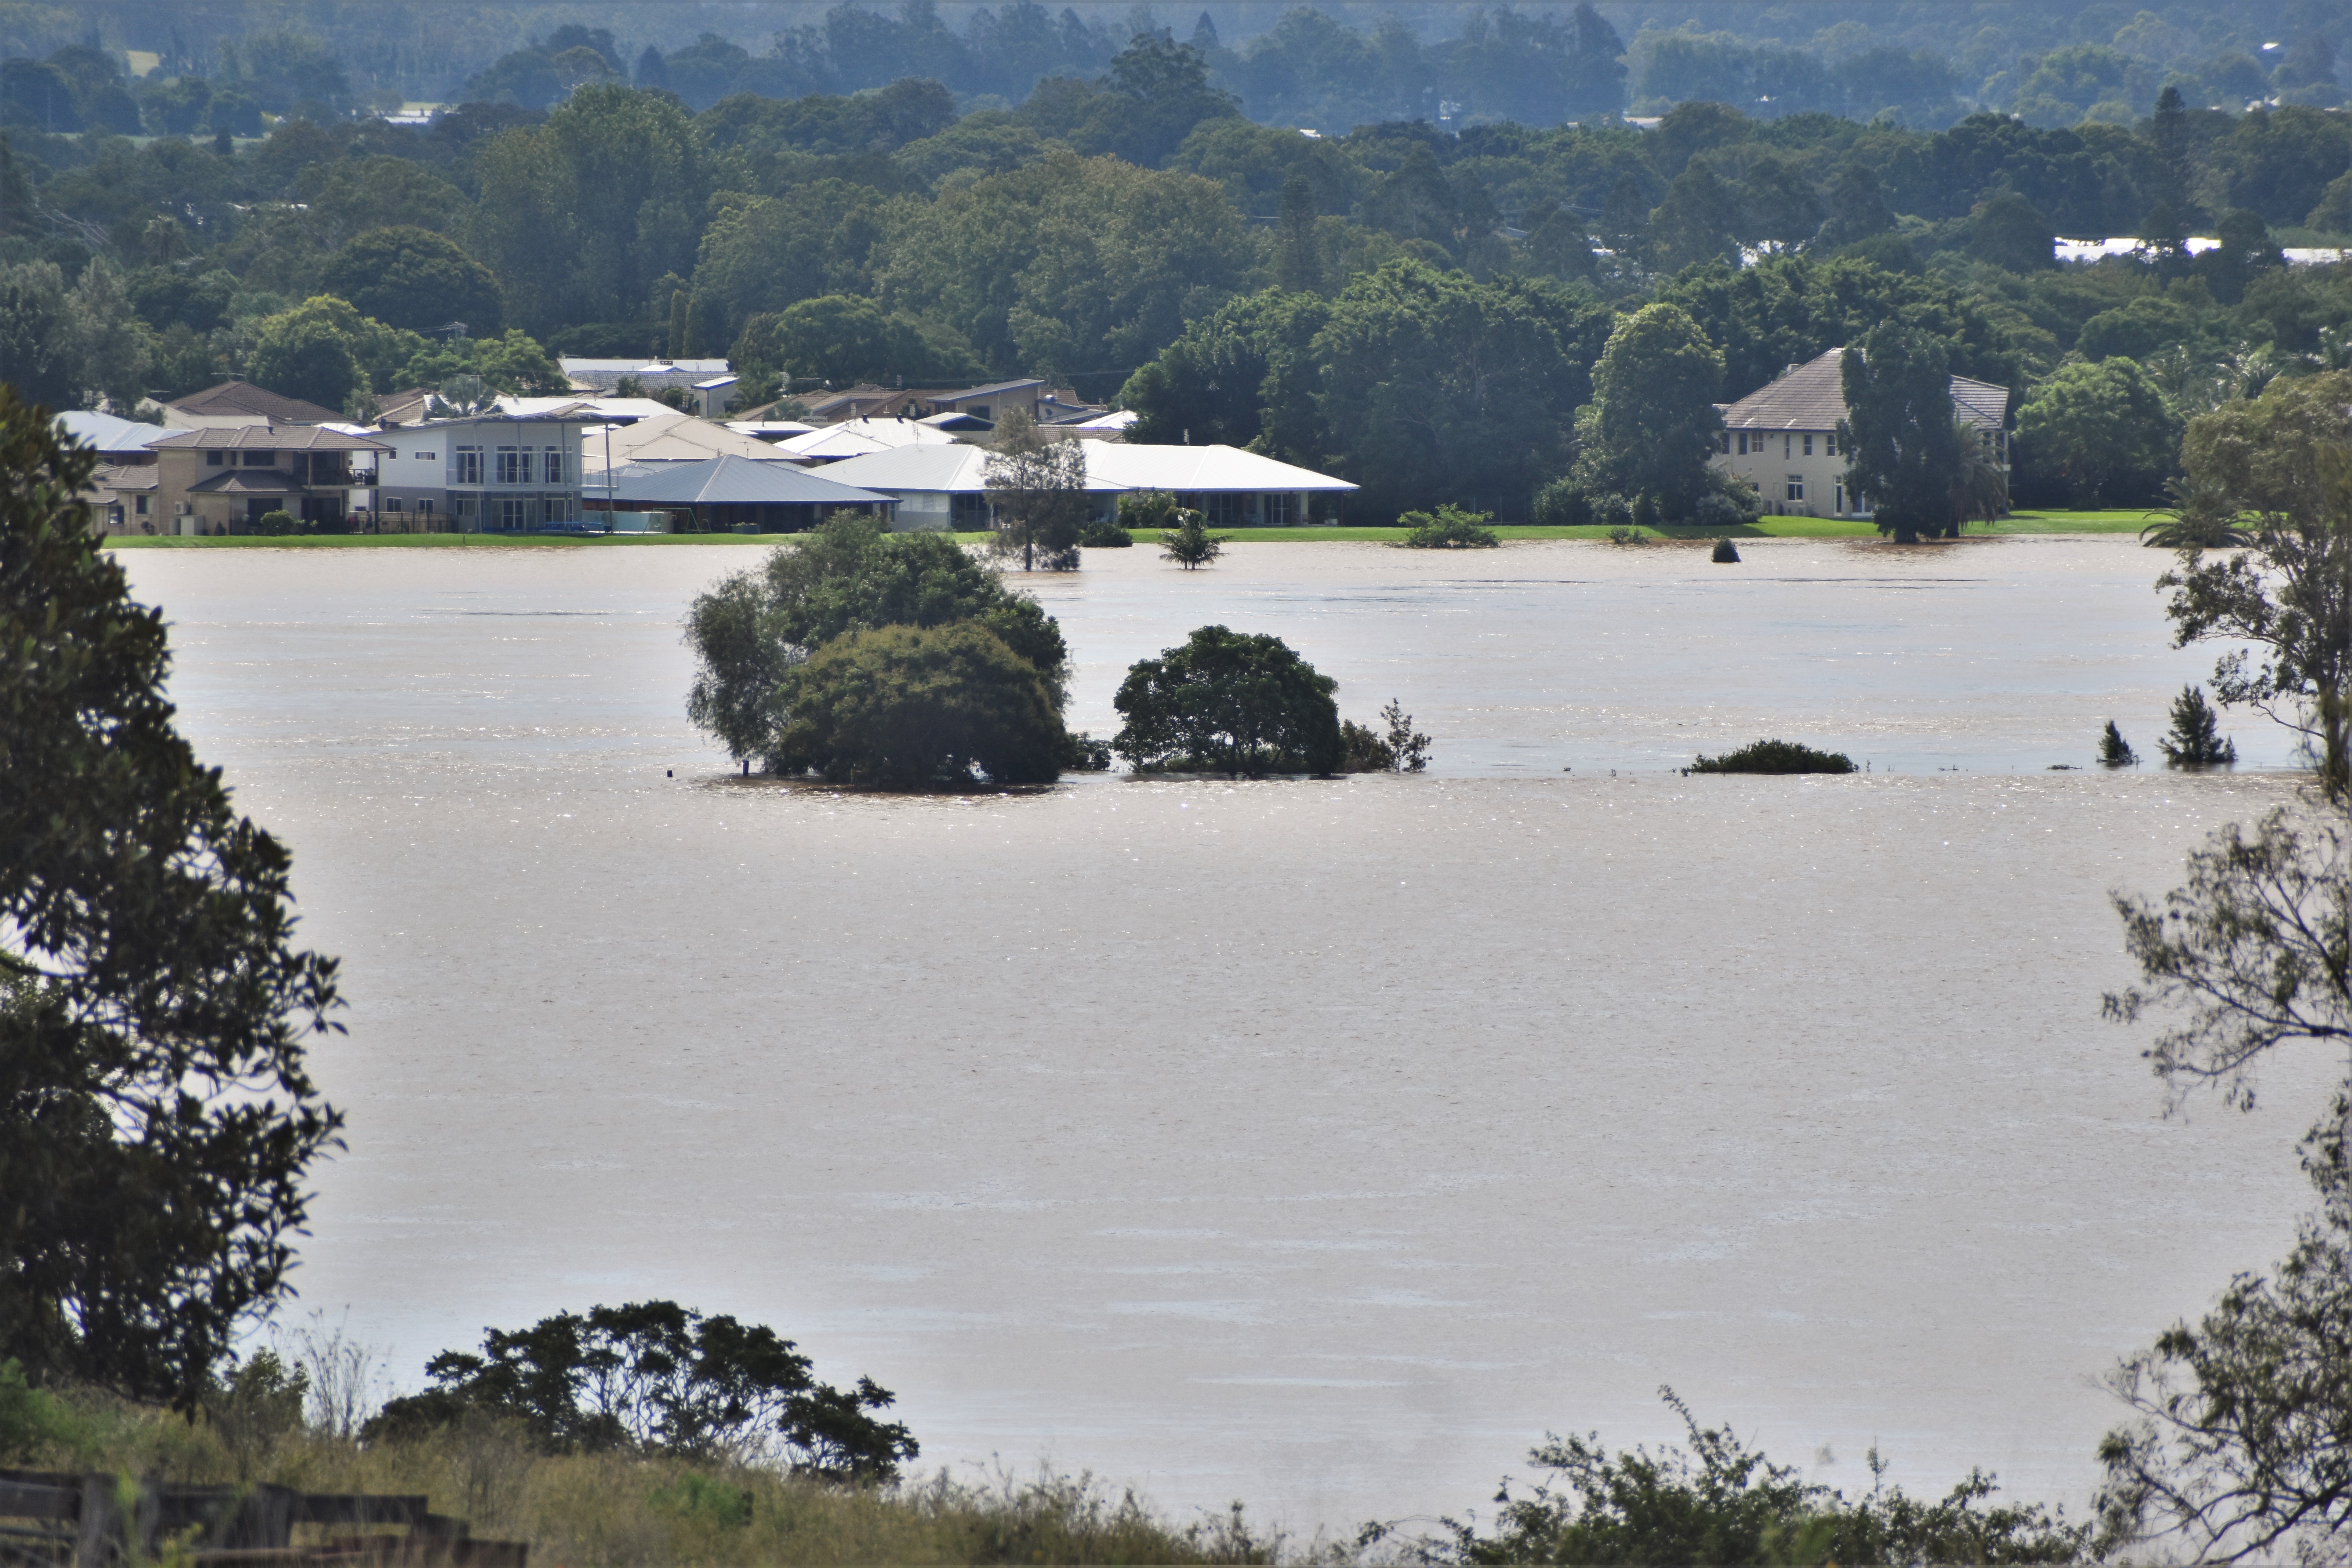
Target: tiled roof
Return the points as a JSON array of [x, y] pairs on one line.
[[244, 398], [269, 437], [247, 482], [1812, 396]]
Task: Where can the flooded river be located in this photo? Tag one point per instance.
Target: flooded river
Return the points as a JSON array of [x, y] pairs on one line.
[[1316, 1144]]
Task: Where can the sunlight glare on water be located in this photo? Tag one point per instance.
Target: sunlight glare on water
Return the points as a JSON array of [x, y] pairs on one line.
[[1319, 1144]]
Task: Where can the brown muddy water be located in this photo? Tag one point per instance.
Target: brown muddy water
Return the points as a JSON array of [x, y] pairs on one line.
[[1318, 1144]]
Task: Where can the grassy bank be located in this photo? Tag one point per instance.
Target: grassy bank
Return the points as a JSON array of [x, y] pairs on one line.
[[615, 1512], [1764, 528]]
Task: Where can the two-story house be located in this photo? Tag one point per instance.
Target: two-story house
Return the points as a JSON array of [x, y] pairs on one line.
[[1782, 437], [488, 473], [211, 481]]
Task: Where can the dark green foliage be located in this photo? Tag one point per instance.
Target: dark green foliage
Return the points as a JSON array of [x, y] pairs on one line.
[[849, 574], [414, 279], [1407, 748], [1719, 1502], [1229, 703], [1449, 527], [1083, 754], [1724, 552], [2096, 435], [1189, 543], [908, 706], [1365, 752], [278, 524], [1037, 488], [1652, 424], [1903, 446], [2195, 740], [2010, 232], [1100, 534], [1774, 757], [157, 1117], [2202, 516], [2115, 751], [255, 1405], [653, 1377]]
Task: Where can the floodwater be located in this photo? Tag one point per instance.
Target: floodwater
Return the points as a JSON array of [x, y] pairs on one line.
[[1318, 1144]]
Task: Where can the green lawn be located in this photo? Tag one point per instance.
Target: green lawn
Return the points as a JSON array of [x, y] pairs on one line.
[[1764, 528]]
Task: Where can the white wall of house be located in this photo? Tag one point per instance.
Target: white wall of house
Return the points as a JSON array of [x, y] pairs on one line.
[[1798, 472]]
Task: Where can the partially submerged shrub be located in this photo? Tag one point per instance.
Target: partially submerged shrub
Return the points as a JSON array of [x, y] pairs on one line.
[[1401, 750], [1229, 703], [1774, 757], [1082, 753], [910, 705], [1448, 528], [2196, 739], [1190, 544], [2115, 751], [1098, 535], [1724, 552]]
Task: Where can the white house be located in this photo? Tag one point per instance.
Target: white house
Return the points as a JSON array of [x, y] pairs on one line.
[[1782, 437], [946, 487], [492, 473]]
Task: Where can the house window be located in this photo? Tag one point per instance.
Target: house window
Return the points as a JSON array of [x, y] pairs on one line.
[[1743, 443], [393, 503], [425, 507], [470, 465], [513, 512], [1787, 445], [215, 460], [553, 467], [1831, 440], [1726, 443], [1809, 446], [1796, 487], [259, 459], [139, 503], [514, 465]]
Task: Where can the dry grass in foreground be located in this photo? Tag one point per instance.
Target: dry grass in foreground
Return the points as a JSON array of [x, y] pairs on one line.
[[610, 1510]]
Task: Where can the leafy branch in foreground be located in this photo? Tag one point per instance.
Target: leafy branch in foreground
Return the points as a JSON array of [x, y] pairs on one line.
[[2244, 1441], [157, 1116], [1720, 1503]]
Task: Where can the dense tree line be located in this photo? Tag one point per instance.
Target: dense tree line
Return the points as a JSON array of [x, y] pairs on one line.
[[1417, 307]]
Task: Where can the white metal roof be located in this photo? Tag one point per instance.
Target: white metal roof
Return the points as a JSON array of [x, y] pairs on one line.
[[108, 434], [674, 438], [1193, 469], [1110, 467]]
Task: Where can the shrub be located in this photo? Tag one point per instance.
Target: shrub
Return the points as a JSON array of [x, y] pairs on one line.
[[1721, 1502], [1082, 753], [2196, 739], [1448, 528], [1191, 546], [1774, 757], [1366, 753], [1230, 703], [910, 705], [1627, 534], [1097, 534], [2115, 751], [1613, 510], [1560, 504], [276, 525], [1729, 502], [1724, 552], [1148, 510]]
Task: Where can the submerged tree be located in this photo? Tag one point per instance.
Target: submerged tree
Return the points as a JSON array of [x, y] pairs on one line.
[[748, 631], [1903, 445], [1038, 487], [2195, 740], [1232, 703], [157, 1116]]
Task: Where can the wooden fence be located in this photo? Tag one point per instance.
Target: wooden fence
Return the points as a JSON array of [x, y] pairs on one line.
[[55, 1520]]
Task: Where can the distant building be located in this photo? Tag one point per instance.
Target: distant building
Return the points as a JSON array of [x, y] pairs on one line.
[[946, 487], [121, 492], [604, 375], [215, 481], [233, 404], [1782, 437], [735, 494], [492, 473]]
